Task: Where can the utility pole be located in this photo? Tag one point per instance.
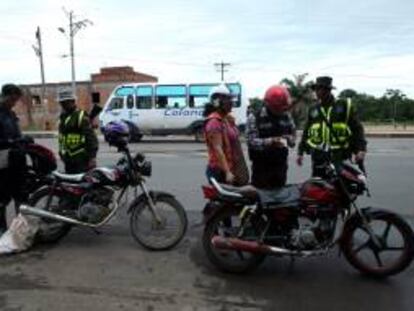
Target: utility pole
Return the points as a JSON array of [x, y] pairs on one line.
[[222, 68], [74, 27], [39, 53]]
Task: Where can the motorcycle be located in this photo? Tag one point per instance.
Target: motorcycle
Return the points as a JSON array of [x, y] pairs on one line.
[[157, 220], [304, 220]]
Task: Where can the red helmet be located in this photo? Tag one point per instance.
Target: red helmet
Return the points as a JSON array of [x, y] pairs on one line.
[[277, 98]]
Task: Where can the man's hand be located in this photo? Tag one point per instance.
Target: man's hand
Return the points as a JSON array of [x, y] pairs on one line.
[[299, 160], [280, 142], [360, 156]]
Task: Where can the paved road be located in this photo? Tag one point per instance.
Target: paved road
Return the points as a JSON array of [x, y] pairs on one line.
[[111, 272]]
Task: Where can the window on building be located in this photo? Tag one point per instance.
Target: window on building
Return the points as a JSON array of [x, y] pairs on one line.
[[36, 101], [170, 96], [143, 99]]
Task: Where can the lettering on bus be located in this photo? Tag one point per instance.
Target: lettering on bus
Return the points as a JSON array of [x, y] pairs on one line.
[[183, 113]]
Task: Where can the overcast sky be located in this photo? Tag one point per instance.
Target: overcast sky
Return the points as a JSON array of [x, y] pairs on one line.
[[366, 45]]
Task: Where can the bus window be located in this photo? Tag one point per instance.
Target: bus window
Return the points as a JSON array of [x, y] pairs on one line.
[[170, 96], [199, 95], [144, 97], [116, 103]]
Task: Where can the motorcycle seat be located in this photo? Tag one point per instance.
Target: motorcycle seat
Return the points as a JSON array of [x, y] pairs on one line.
[[248, 191], [73, 178], [287, 195]]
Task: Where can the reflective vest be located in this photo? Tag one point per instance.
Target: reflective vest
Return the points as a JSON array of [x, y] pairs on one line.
[[71, 139], [319, 133]]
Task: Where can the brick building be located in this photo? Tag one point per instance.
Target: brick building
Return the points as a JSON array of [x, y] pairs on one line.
[[35, 114]]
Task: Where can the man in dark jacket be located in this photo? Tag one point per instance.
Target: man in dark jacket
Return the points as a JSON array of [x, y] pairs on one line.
[[11, 163], [78, 144], [333, 126], [270, 132]]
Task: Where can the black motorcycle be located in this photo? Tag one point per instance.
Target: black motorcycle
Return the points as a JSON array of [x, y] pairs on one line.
[[157, 220]]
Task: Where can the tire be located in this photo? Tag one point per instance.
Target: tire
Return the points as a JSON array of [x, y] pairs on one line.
[[221, 258], [46, 234], [147, 239], [379, 270]]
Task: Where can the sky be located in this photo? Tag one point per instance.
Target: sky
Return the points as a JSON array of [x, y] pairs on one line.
[[364, 45]]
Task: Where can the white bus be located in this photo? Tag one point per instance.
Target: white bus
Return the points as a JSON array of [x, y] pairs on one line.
[[152, 108]]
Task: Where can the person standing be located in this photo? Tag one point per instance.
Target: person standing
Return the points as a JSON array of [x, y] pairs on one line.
[[226, 162], [12, 163], [270, 132], [78, 143], [331, 125]]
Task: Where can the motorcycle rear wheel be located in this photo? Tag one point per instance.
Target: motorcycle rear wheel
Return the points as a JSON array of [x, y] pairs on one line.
[[50, 231], [225, 221]]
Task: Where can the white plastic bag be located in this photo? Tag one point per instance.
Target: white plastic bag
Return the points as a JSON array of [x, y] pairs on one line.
[[20, 236]]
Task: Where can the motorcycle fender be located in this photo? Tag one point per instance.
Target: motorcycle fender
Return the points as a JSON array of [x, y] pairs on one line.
[[155, 195], [368, 213]]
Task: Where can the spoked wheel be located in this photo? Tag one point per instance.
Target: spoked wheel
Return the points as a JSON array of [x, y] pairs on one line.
[[50, 231], [161, 234], [227, 223], [392, 254]]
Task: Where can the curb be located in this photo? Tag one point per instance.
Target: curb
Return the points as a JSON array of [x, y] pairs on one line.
[[189, 139]]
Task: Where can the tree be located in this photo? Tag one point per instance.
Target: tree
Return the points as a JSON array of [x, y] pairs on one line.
[[301, 93]]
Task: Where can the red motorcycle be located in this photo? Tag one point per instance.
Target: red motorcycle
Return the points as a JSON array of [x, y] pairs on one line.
[[305, 220]]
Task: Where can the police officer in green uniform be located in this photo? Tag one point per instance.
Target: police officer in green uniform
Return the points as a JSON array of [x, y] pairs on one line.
[[78, 144], [331, 125]]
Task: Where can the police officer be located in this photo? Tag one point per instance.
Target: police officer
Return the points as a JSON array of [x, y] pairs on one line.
[[270, 132], [331, 125], [11, 163], [78, 144]]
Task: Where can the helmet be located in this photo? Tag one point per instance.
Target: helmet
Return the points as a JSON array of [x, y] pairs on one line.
[[220, 89], [277, 99], [117, 133], [65, 95]]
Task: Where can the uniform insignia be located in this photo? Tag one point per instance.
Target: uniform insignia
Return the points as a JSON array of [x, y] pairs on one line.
[[314, 113]]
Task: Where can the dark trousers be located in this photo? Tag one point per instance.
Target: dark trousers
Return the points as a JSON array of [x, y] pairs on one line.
[[76, 166], [320, 161], [269, 176]]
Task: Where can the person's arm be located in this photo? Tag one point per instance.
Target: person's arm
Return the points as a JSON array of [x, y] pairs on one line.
[[291, 138], [253, 140], [358, 140], [217, 143], [92, 143], [303, 148]]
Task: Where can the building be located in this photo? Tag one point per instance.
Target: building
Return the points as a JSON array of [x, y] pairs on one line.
[[35, 114]]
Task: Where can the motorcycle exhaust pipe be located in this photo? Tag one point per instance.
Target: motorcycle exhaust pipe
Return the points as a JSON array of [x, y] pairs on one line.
[[256, 247], [28, 210]]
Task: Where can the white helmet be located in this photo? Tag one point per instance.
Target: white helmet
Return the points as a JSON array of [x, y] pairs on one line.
[[220, 89]]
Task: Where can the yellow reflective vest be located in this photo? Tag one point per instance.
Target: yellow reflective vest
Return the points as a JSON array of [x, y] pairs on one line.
[[72, 140], [320, 134]]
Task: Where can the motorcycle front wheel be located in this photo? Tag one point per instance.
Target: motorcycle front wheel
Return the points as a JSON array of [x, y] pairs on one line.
[[394, 252], [161, 234]]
